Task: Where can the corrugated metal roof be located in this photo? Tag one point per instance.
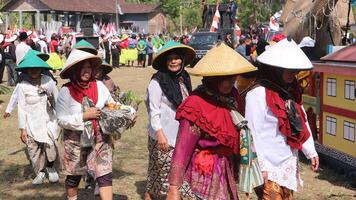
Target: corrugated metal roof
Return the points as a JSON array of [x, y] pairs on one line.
[[347, 54]]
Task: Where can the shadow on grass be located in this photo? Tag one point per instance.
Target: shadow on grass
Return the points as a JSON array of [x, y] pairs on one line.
[[18, 151], [333, 175], [15, 173], [82, 196], [119, 173], [141, 188]]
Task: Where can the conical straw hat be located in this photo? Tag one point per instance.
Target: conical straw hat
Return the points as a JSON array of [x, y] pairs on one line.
[[287, 55], [77, 56], [159, 61], [32, 61], [107, 68], [85, 46], [222, 60]]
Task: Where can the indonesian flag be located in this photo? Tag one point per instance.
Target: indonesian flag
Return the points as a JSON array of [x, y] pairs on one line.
[[108, 28], [273, 24], [113, 29], [103, 30], [216, 20], [273, 21]]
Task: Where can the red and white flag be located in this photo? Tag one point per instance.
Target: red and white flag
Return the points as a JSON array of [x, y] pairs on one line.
[[108, 28], [216, 20], [103, 30], [113, 29]]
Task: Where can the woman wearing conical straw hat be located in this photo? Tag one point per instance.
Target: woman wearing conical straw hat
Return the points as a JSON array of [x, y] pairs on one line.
[[78, 108], [166, 91], [278, 121], [213, 135], [37, 121]]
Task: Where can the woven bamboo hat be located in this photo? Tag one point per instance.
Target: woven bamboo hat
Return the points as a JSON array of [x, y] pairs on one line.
[[32, 52], [160, 59], [85, 46], [221, 60], [32, 61], [107, 68], [77, 56]]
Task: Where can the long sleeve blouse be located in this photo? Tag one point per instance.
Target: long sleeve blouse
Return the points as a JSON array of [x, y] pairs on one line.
[[13, 100], [161, 112], [70, 112], [274, 154], [34, 116]]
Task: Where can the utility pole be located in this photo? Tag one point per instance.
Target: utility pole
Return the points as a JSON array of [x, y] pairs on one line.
[[117, 16]]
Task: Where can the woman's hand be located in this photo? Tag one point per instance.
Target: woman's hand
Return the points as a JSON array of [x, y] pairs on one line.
[[23, 136], [173, 193], [315, 163], [6, 115], [162, 142], [91, 113]]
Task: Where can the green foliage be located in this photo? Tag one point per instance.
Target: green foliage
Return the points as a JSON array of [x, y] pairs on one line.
[[251, 12], [5, 90], [192, 18]]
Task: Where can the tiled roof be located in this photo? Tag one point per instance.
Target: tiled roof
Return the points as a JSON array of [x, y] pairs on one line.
[[347, 54], [94, 6]]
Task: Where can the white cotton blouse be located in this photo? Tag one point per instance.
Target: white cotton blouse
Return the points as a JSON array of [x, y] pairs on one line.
[[161, 112], [274, 154], [33, 115], [13, 100], [70, 112]]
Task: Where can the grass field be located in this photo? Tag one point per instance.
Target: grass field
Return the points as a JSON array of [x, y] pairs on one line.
[[130, 158]]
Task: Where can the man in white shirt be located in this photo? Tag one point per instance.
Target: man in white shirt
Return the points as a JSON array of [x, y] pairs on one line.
[[42, 42], [22, 47]]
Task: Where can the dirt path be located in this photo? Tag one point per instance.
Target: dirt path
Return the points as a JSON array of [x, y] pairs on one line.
[[130, 158]]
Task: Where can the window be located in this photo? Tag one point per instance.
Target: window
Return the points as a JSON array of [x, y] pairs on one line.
[[349, 90], [331, 125], [349, 131], [331, 87]]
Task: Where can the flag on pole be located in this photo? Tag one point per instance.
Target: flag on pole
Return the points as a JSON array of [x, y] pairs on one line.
[[113, 29], [216, 20], [108, 28], [274, 21], [103, 30]]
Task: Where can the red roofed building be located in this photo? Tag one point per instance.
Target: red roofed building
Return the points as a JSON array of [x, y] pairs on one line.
[[140, 17]]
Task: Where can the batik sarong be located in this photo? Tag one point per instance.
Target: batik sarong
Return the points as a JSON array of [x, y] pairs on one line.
[[159, 165], [97, 160]]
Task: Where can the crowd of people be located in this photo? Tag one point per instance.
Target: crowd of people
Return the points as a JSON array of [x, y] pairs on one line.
[[204, 143]]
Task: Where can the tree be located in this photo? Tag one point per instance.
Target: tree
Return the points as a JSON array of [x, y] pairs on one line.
[[192, 17], [256, 11]]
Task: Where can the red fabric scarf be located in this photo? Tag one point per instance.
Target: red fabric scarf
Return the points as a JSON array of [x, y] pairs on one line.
[[276, 104], [213, 118], [78, 93]]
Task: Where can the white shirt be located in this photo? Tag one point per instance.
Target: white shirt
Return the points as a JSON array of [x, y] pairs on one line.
[[44, 46], [13, 100], [161, 113], [21, 50], [33, 115], [274, 154], [70, 112]]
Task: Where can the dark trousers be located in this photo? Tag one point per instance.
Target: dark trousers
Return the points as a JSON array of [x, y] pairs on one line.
[[142, 59], [11, 73], [107, 56], [2, 69], [115, 59], [150, 56]]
